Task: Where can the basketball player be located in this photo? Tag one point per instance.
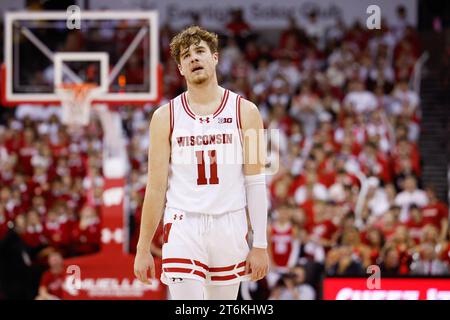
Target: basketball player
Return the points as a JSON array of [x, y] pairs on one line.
[[202, 193]]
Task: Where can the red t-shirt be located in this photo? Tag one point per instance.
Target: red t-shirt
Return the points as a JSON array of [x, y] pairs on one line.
[[388, 232], [414, 156], [53, 283], [415, 229], [86, 240], [59, 149], [322, 230], [434, 213], [57, 234], [281, 243], [25, 155], [34, 236]]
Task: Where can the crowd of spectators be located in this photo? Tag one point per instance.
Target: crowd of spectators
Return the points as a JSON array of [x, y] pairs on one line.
[[348, 193], [50, 194]]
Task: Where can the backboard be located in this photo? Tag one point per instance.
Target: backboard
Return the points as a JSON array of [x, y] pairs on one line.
[[117, 51]]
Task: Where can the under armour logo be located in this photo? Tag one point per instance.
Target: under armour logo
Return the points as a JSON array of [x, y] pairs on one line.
[[204, 119], [174, 217], [181, 217]]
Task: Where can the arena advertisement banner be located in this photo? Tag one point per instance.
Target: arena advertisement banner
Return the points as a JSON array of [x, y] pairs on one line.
[[262, 14], [108, 275], [390, 289]]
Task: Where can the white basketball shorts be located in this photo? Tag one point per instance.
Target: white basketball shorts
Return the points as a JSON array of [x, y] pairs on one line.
[[208, 248]]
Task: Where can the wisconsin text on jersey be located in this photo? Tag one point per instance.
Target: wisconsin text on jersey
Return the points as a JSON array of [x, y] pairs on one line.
[[223, 138]]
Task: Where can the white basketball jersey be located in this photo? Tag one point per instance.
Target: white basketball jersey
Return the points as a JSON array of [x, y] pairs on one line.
[[206, 164]]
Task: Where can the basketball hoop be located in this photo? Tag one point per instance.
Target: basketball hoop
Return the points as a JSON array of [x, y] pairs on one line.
[[76, 100]]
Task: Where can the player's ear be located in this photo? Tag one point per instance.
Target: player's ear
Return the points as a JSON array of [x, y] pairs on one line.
[[216, 57], [180, 68]]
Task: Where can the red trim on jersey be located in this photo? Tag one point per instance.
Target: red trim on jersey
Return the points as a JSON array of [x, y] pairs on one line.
[[189, 111], [223, 278], [201, 274], [198, 263], [185, 261], [238, 117], [227, 268], [185, 106], [166, 232], [185, 270], [223, 103], [176, 260], [229, 277], [182, 270], [171, 120]]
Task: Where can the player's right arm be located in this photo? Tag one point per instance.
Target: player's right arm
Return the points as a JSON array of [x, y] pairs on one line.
[[155, 192]]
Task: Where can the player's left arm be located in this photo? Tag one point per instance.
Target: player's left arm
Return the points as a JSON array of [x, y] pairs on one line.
[[254, 149]]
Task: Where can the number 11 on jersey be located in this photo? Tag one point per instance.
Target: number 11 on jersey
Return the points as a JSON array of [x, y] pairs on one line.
[[201, 174]]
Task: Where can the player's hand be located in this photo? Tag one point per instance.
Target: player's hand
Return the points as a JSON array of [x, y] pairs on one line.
[[143, 262], [257, 263]]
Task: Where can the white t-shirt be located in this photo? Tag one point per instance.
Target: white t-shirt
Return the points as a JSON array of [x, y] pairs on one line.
[[379, 203], [405, 199], [408, 96], [361, 101]]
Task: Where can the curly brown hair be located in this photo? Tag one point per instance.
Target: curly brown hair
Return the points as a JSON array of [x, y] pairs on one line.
[[192, 35]]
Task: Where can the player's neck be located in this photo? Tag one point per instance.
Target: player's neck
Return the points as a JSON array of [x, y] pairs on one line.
[[205, 94]]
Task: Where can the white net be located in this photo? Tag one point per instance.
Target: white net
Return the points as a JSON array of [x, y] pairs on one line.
[[76, 102]]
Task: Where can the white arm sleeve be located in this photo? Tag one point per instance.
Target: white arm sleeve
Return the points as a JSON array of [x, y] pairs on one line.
[[255, 187]]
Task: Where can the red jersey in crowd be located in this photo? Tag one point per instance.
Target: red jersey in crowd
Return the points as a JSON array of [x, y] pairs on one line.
[[281, 243], [415, 229], [434, 213], [322, 230], [53, 283], [25, 153], [57, 233], [34, 236], [86, 239]]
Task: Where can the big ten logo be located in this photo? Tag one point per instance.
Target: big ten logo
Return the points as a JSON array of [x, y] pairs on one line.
[[73, 279], [73, 20], [374, 280], [374, 20], [225, 120], [109, 235]]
